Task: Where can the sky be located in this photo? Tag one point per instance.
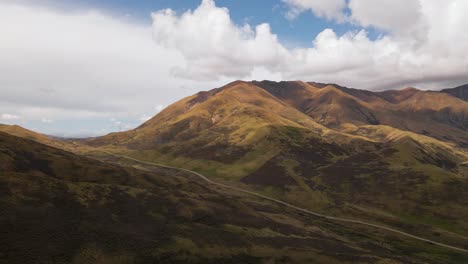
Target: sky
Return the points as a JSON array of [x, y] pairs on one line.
[[79, 68]]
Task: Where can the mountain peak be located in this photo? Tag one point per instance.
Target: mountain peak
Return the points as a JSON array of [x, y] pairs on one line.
[[234, 83], [410, 89]]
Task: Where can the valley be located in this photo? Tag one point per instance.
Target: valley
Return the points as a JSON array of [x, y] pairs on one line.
[[384, 162], [271, 145]]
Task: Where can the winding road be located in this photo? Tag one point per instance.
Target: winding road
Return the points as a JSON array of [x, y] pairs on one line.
[[338, 219]]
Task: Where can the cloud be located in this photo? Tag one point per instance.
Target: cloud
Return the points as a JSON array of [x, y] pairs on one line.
[[211, 42], [329, 9], [395, 15], [82, 65], [419, 47], [121, 125], [144, 118], [47, 121], [159, 108], [9, 117]]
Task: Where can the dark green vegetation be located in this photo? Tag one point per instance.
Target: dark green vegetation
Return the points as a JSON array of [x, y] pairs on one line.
[[57, 207], [395, 158]]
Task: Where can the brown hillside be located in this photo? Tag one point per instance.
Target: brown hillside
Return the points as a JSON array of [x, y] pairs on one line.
[[435, 114], [57, 207], [391, 157]]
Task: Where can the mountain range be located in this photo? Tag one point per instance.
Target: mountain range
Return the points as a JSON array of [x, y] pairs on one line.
[[396, 158]]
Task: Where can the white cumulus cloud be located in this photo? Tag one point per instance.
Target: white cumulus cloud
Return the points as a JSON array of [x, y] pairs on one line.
[[419, 47], [212, 43], [9, 117], [395, 15], [82, 65]]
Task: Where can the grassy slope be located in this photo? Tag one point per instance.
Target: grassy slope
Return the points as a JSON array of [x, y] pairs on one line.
[[57, 207], [251, 138], [38, 137], [384, 178], [24, 133], [435, 114], [243, 134]]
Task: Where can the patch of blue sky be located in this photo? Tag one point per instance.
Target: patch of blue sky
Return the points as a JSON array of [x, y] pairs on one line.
[[296, 33]]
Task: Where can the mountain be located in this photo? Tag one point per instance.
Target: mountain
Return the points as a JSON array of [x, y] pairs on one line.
[[326, 104], [240, 123], [25, 133], [459, 92], [436, 114], [58, 207], [396, 158], [244, 122], [393, 157], [22, 132]]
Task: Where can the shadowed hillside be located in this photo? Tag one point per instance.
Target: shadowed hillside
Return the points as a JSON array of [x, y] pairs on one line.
[[25, 133], [436, 114], [35, 136], [395, 157], [57, 207], [460, 92]]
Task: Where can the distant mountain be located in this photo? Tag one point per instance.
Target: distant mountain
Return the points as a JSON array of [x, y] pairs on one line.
[[435, 114], [459, 92], [58, 207]]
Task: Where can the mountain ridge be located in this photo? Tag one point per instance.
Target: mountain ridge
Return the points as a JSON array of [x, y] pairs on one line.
[[459, 92], [293, 138], [378, 156]]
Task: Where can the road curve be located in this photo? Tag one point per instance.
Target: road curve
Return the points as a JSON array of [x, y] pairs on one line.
[[292, 206]]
